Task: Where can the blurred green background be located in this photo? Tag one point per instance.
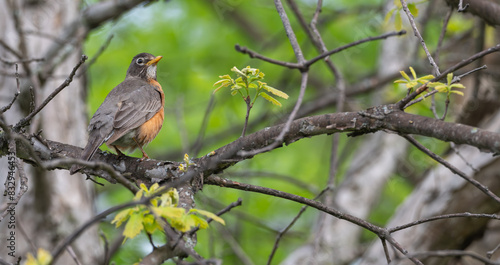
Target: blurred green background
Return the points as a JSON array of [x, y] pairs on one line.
[[196, 40]]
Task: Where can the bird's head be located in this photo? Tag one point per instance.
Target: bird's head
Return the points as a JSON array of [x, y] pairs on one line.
[[143, 65]]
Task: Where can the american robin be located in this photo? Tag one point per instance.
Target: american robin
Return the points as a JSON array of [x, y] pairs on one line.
[[131, 115]]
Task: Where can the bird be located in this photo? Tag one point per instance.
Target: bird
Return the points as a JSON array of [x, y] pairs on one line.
[[131, 115]]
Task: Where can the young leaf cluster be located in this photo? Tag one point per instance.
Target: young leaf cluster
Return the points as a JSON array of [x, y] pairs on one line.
[[187, 162], [448, 88], [43, 257], [248, 79], [411, 83], [151, 218]]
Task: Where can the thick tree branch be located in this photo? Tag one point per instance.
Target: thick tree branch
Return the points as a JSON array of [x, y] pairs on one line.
[[385, 117], [489, 11]]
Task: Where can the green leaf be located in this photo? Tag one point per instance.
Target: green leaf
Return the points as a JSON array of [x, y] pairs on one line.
[[411, 84], [238, 72], [405, 76], [121, 217], [134, 225], [43, 257], [434, 84], [150, 224], [426, 77], [226, 77], [388, 16], [398, 23], [209, 215], [413, 73], [457, 92], [458, 86], [449, 78], [273, 90], [169, 212], [196, 221], [269, 98], [413, 9], [170, 198]]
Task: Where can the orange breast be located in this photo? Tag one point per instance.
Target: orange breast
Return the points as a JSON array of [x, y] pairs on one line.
[[150, 129]]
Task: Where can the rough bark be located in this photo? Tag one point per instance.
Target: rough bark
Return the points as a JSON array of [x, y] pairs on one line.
[[55, 204]]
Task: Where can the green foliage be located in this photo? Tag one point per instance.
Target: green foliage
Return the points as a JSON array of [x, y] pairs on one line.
[[449, 87], [43, 257], [412, 83], [249, 78], [151, 218], [185, 165]]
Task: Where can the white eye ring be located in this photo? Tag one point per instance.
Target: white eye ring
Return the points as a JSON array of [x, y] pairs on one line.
[[140, 61]]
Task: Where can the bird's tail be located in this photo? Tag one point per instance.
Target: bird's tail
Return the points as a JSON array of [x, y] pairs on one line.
[[89, 151]]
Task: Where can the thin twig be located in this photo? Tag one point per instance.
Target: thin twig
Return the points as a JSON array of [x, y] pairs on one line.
[[461, 7], [249, 107], [308, 63], [490, 253], [10, 49], [453, 169], [18, 91], [66, 83], [379, 231], [445, 216], [279, 139], [304, 76], [56, 163], [69, 239], [287, 228], [417, 34], [352, 44], [386, 251], [397, 246], [455, 253], [254, 54], [22, 61], [96, 55], [289, 32], [219, 213], [236, 247], [72, 253], [198, 143], [443, 32]]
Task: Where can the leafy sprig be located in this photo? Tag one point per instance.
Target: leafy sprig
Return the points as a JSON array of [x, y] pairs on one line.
[[151, 218], [249, 79], [449, 87], [411, 83]]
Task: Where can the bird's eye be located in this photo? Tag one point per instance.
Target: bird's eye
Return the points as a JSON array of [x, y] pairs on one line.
[[140, 61]]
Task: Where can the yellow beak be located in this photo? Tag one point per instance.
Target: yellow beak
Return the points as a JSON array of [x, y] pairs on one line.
[[155, 60]]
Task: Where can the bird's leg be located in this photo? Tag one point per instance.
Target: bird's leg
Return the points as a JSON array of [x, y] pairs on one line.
[[144, 155], [118, 151]]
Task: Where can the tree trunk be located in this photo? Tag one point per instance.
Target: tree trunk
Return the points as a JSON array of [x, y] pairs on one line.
[[54, 199]]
